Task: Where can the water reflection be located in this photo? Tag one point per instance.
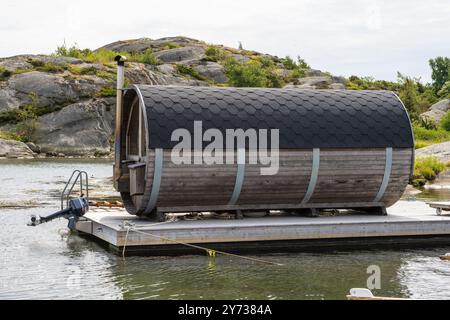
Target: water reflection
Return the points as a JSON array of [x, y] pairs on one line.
[[37, 263]]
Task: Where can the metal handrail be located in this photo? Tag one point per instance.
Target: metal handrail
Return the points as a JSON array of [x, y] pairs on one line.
[[78, 176]]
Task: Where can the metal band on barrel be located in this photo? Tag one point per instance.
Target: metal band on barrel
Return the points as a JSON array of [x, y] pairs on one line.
[[386, 177], [314, 176], [239, 177], [157, 174]]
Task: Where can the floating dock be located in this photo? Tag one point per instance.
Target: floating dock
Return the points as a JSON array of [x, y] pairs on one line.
[[408, 223]]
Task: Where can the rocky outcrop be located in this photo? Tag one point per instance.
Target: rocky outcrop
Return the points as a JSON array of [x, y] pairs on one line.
[[83, 128], [141, 73], [11, 149], [211, 70], [74, 97], [143, 44], [440, 151], [54, 90], [183, 54], [437, 111], [322, 81], [8, 99]]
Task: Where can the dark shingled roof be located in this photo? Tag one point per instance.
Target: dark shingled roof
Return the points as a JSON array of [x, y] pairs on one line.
[[305, 118]]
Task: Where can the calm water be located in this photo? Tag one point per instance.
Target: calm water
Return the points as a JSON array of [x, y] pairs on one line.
[[37, 263]]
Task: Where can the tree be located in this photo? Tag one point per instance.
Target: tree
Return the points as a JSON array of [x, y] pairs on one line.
[[445, 91], [409, 94], [440, 72]]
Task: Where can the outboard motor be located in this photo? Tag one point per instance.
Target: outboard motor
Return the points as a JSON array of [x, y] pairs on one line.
[[76, 209]]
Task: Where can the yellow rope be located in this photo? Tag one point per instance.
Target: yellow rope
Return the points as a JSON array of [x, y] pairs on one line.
[[210, 252]]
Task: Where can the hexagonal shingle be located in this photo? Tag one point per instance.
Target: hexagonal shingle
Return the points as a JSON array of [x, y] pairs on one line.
[[306, 118]]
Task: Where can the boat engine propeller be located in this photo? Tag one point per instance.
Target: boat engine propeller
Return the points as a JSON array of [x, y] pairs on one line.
[[77, 208]]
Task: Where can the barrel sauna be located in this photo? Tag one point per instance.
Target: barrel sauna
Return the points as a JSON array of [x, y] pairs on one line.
[[337, 149]]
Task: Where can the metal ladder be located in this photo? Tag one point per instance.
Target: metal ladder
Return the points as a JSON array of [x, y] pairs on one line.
[[76, 176]]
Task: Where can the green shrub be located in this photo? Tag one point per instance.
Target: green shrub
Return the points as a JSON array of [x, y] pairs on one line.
[[103, 56], [214, 54], [73, 51], [245, 74], [26, 129], [259, 72], [369, 83], [274, 79], [445, 122], [189, 71], [298, 68], [289, 63], [301, 63], [4, 74], [427, 169], [146, 57], [296, 74], [36, 63], [27, 120]]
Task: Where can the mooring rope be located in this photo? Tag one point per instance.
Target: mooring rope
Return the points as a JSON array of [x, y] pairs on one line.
[[129, 226], [125, 244], [210, 252]]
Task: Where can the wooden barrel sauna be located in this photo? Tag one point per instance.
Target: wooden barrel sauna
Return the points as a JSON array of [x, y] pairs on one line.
[[337, 149]]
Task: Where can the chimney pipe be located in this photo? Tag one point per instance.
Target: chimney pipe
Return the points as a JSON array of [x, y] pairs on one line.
[[119, 110]]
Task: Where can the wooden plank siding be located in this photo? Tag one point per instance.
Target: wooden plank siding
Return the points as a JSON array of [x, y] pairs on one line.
[[346, 177]]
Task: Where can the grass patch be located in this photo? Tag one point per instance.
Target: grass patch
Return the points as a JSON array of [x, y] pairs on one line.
[[20, 71], [189, 71], [426, 137], [146, 57], [42, 66], [105, 56], [171, 45], [83, 71], [426, 169], [107, 91], [9, 135], [105, 75]]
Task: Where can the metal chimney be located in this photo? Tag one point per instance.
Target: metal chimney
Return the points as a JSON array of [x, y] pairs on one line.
[[119, 113]]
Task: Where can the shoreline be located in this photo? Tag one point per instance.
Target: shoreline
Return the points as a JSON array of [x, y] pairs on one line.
[[85, 157]]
